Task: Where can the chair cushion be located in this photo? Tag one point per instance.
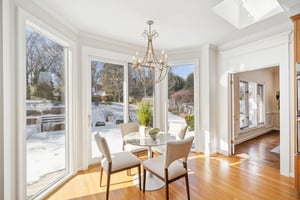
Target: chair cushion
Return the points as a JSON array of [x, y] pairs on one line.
[[121, 160], [134, 149], [156, 165]]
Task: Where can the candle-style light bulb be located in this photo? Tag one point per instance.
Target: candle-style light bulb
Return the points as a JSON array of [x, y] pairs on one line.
[[162, 59]]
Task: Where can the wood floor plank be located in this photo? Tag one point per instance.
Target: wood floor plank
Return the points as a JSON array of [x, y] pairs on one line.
[[239, 177]]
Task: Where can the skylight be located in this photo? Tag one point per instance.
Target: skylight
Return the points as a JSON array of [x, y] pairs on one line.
[[242, 13]]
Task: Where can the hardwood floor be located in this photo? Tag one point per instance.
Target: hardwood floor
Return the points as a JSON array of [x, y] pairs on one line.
[[248, 175], [259, 150]]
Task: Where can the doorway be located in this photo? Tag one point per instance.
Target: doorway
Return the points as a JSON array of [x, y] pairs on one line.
[[255, 111]]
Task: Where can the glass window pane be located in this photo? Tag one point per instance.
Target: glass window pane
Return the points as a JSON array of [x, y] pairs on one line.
[[45, 112], [107, 104], [252, 104], [140, 88], [181, 96], [243, 106], [260, 104]]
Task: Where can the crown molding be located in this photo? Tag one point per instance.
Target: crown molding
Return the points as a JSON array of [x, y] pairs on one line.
[[255, 45], [259, 36], [42, 6], [110, 43]]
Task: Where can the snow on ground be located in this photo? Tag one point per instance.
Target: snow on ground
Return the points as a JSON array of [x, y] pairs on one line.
[[45, 154], [46, 150]]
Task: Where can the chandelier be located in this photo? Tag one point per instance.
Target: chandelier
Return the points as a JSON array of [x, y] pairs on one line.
[[150, 60]]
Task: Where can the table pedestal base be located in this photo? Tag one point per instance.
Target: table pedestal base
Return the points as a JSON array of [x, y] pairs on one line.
[[152, 182]]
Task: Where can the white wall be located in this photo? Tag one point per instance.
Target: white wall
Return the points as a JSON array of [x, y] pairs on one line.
[[1, 106], [273, 51], [276, 87]]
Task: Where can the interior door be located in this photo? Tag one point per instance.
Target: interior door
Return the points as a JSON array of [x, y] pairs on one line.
[[235, 109]]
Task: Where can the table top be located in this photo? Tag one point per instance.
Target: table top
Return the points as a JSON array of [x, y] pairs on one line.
[[161, 139]]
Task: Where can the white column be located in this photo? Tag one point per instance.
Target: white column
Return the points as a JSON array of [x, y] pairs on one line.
[[8, 74], [207, 123], [1, 107]]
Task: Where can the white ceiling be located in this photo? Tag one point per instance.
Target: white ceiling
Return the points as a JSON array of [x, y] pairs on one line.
[[180, 24]]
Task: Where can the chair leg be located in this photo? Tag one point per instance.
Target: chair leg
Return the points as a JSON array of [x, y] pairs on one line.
[[167, 183], [107, 186], [167, 190], [187, 185], [101, 174], [144, 178], [139, 175]]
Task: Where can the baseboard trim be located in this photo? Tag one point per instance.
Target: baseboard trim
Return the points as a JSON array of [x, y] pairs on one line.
[[252, 134]]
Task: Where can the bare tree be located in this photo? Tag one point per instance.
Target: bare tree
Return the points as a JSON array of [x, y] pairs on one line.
[[141, 83], [43, 55], [111, 78]]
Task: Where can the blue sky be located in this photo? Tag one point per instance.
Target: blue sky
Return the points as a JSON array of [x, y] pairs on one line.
[[182, 70]]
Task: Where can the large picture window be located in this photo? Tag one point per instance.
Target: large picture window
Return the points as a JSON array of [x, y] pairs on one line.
[[46, 134], [108, 97], [107, 103], [181, 96], [252, 104]]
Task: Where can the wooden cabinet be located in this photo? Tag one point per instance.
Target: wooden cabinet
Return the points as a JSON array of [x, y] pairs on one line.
[[296, 20]]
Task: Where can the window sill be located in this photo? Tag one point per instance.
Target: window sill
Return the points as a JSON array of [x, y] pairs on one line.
[[252, 128]]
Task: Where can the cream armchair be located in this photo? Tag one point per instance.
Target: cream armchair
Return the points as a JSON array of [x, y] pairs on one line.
[[112, 163], [172, 165], [175, 129]]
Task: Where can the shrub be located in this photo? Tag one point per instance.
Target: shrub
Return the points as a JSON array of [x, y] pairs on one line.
[[58, 127], [144, 113], [189, 119]]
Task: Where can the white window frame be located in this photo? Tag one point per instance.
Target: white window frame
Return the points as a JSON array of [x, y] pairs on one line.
[[89, 54], [23, 19], [88, 88], [164, 100]]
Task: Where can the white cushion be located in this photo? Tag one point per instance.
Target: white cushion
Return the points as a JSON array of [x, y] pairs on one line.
[[156, 165], [120, 161], [134, 149]]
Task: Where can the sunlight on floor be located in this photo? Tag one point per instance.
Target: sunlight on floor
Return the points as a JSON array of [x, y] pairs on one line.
[[198, 155], [231, 160]]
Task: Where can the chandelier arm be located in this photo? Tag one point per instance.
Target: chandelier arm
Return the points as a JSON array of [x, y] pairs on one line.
[[146, 55], [154, 34], [161, 77], [155, 60]]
